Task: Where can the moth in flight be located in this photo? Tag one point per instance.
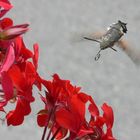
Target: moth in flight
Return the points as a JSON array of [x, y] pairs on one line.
[[114, 36]]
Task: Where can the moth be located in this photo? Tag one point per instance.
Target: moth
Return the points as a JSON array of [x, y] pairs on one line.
[[112, 37]]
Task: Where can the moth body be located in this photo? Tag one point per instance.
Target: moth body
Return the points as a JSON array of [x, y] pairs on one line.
[[112, 36]]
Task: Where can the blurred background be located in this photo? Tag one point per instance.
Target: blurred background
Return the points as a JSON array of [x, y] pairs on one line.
[[113, 78]]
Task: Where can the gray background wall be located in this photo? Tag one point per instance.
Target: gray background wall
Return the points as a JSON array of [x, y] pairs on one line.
[[113, 79]]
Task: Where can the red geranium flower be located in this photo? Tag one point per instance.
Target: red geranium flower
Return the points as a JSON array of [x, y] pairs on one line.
[[65, 107], [23, 77], [57, 94], [98, 123], [18, 75]]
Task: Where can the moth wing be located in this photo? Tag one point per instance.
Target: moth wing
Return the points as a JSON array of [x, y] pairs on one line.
[[132, 52], [78, 37]]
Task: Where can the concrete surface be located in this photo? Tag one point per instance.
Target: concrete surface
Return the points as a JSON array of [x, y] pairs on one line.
[[113, 79]]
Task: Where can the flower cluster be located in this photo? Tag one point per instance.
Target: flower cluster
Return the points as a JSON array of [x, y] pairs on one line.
[[17, 73], [64, 112], [65, 105]]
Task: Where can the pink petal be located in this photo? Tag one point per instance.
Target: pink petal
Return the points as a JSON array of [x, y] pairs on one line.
[[14, 31], [5, 5], [9, 59]]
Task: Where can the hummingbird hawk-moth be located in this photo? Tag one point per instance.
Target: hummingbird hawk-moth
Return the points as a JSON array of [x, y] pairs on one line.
[[110, 38]]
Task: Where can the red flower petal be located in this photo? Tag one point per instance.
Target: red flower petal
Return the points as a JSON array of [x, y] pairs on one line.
[[42, 118], [77, 107], [21, 52], [36, 54], [16, 117], [17, 78], [93, 110], [108, 115], [67, 120], [30, 73], [6, 22], [7, 86]]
